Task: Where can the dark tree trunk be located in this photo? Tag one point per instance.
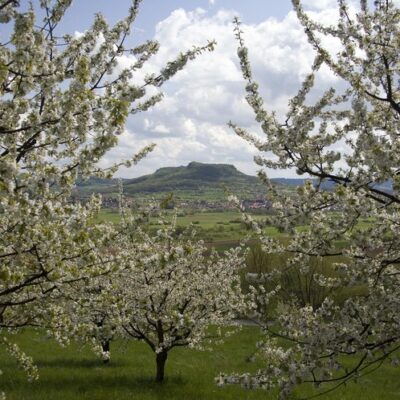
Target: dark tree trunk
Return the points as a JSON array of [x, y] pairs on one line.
[[105, 346], [161, 359]]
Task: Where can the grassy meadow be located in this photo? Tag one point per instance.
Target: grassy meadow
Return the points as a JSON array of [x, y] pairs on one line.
[[75, 373], [221, 230]]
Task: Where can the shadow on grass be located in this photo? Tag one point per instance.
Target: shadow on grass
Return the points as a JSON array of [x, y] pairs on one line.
[[86, 383], [73, 363]]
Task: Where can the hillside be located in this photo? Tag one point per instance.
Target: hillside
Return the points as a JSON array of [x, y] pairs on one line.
[[194, 176], [194, 180]]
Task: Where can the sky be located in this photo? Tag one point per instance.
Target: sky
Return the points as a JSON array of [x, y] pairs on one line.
[[190, 124]]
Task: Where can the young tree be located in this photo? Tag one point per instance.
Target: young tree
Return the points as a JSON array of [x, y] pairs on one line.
[[175, 291], [165, 289], [90, 310], [364, 331], [87, 311], [63, 104]]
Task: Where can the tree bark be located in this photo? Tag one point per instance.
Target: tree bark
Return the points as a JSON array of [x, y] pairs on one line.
[[161, 359], [105, 346]]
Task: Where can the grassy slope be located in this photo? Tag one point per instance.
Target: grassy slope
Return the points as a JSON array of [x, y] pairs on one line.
[[75, 373], [194, 177]]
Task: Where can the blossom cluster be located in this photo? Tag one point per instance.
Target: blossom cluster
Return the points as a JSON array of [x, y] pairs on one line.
[[63, 105], [361, 211]]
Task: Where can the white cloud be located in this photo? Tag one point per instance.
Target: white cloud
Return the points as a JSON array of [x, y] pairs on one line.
[[160, 128], [320, 4], [190, 123]]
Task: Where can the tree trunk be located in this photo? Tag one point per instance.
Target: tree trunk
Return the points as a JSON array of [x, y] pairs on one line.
[[105, 346], [161, 359]]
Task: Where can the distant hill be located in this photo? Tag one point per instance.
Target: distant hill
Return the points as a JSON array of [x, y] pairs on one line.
[[194, 176], [294, 182], [328, 185], [194, 180]]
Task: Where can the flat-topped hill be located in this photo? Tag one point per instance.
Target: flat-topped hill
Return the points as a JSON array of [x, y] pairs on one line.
[[194, 176], [194, 179]]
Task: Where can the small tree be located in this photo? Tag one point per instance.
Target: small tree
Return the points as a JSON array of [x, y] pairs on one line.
[[87, 311], [365, 177], [174, 292], [166, 289], [63, 105], [90, 310]]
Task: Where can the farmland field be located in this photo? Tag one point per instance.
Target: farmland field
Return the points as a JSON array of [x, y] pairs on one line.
[[216, 228]]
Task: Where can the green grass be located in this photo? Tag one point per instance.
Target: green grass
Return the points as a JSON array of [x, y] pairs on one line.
[[209, 219], [75, 373], [221, 230], [204, 219], [108, 215]]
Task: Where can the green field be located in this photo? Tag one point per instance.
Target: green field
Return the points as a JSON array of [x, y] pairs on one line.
[[74, 373], [221, 230], [204, 219]]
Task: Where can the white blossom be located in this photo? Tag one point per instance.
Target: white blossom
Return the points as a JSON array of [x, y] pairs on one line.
[[365, 117], [63, 105]]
